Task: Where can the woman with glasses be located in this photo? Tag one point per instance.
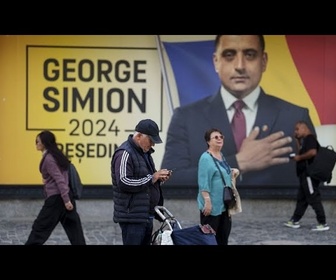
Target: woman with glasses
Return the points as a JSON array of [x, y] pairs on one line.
[[59, 205], [212, 169]]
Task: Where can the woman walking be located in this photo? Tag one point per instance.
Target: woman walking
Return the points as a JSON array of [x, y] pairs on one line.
[[59, 205]]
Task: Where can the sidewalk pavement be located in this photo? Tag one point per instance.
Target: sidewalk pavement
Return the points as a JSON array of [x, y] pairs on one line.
[[258, 231]]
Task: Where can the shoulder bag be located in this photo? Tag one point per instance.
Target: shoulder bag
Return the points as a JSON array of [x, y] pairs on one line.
[[229, 197]]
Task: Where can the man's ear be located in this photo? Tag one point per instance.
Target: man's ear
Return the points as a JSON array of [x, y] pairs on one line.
[[264, 61], [214, 61]]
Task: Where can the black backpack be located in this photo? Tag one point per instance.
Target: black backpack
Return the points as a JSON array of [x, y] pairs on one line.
[[75, 182], [323, 164]]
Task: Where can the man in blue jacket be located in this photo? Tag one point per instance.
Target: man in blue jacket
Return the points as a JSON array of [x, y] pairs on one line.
[[263, 158], [137, 184]]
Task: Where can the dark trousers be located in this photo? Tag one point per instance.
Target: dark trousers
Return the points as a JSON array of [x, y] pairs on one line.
[[53, 211], [305, 198], [221, 224], [137, 233]]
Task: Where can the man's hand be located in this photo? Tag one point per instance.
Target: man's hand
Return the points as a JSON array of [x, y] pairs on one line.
[[161, 175], [262, 153]]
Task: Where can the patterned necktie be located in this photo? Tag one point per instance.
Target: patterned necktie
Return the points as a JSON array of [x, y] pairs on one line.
[[238, 123]]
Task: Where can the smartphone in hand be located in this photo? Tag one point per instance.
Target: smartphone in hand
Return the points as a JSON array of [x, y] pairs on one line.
[[292, 155], [171, 171]]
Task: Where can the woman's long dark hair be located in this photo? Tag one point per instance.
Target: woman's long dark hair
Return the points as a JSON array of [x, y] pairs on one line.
[[48, 139]]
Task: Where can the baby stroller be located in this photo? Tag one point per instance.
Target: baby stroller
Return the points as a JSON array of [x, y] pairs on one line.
[[171, 232]]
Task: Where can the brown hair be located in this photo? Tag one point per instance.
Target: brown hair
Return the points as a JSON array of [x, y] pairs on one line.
[[208, 133]]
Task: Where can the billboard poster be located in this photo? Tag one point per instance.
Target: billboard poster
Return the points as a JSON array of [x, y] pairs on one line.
[[91, 91]]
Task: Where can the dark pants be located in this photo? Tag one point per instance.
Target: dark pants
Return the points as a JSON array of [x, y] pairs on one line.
[[305, 198], [221, 224], [137, 233], [53, 211]]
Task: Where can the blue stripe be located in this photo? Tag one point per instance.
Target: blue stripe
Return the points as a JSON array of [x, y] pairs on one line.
[[193, 68]]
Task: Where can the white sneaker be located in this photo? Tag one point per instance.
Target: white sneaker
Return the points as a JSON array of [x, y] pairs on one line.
[[321, 227], [292, 224]]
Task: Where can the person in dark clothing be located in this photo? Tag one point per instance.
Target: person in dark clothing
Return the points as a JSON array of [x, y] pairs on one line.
[[308, 192], [137, 184], [59, 205]]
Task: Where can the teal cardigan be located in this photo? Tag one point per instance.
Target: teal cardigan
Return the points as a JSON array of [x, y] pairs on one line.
[[210, 180]]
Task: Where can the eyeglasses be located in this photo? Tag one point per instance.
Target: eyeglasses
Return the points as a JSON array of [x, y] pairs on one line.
[[217, 137]]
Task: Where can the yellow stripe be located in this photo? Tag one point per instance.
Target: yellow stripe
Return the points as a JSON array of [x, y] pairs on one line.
[[282, 79]]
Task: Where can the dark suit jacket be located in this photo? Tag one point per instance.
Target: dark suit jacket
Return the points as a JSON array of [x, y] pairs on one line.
[[185, 138]]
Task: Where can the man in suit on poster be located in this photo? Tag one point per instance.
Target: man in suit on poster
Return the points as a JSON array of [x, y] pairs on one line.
[[263, 158]]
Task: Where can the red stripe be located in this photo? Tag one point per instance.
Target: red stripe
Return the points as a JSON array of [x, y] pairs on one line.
[[315, 59]]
